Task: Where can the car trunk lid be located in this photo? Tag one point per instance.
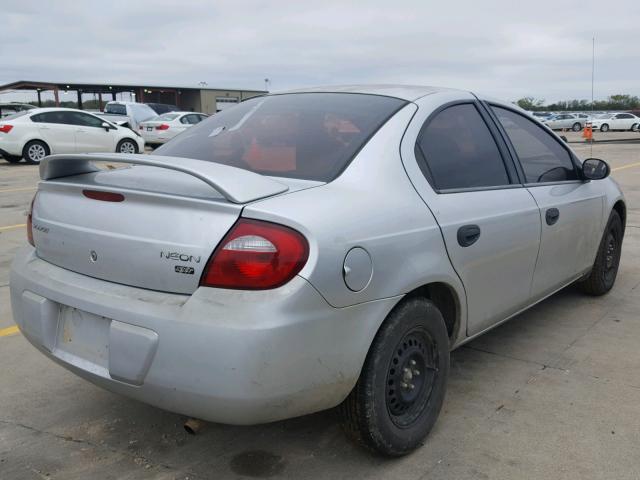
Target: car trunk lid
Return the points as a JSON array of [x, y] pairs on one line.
[[145, 226]]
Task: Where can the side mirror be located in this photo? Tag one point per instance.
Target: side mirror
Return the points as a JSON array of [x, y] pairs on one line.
[[595, 169], [106, 126]]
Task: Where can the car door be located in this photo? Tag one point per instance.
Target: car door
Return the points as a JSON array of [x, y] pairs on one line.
[[570, 209], [91, 136], [54, 129], [624, 121], [489, 221]]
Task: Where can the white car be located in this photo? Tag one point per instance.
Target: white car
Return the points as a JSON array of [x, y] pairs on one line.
[[36, 133], [163, 128], [565, 121], [617, 121], [127, 114]]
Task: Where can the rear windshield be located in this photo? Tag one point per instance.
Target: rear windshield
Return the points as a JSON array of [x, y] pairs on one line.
[[312, 136], [115, 109]]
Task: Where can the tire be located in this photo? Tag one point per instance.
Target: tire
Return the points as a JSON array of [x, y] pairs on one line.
[[605, 268], [127, 146], [401, 388], [604, 127], [634, 127], [12, 158], [34, 151], [576, 127]]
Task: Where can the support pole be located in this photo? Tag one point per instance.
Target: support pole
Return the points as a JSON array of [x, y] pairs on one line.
[[79, 99], [55, 96], [39, 99]]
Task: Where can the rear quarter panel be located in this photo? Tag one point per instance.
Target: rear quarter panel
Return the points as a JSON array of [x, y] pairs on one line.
[[371, 205]]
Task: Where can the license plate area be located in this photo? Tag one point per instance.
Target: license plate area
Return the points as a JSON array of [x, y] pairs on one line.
[[149, 129], [83, 340]]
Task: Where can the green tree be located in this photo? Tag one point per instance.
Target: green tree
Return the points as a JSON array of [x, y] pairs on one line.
[[530, 103]]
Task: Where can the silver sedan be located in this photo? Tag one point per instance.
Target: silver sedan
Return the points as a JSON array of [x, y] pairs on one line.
[[311, 249]]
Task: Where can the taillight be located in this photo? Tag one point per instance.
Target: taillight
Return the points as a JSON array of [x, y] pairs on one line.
[[103, 196], [30, 222], [256, 255], [164, 126], [140, 127], [5, 128]]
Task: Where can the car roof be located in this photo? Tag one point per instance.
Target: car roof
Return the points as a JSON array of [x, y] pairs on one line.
[[404, 92], [57, 109]]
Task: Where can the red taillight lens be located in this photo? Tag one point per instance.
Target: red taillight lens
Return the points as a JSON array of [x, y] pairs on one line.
[[164, 126], [256, 255], [30, 222], [5, 128], [140, 127]]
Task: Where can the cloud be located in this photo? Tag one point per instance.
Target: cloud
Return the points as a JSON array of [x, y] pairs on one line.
[[504, 48]]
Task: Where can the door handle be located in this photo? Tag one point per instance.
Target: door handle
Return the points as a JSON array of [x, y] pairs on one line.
[[552, 216], [468, 235]]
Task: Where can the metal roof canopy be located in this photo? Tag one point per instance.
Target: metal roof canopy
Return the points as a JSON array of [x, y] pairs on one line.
[[108, 88]]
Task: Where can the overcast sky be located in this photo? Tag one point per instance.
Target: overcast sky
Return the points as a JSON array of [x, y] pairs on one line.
[[508, 49]]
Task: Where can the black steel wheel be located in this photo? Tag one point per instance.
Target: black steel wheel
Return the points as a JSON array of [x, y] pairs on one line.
[[398, 397], [605, 268]]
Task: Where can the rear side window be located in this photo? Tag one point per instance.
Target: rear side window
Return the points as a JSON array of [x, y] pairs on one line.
[[311, 136], [459, 150], [542, 157], [50, 117]]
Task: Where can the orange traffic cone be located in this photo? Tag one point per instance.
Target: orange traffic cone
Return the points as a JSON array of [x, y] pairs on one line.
[[587, 133]]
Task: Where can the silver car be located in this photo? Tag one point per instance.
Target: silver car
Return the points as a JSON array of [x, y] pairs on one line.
[[309, 250], [566, 121]]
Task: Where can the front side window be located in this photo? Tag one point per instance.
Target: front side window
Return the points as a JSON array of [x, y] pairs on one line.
[[311, 136], [82, 119], [459, 150], [541, 155]]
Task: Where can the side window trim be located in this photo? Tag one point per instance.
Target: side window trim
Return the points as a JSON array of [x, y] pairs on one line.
[[497, 138], [574, 159]]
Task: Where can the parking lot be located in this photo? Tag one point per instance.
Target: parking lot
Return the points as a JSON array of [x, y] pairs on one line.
[[553, 393]]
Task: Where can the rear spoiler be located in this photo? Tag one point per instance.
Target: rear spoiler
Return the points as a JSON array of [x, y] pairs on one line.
[[235, 184]]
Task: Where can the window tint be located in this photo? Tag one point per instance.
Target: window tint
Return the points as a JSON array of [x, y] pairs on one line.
[[185, 119], [77, 118], [306, 135], [50, 117], [543, 158], [460, 151], [624, 115]]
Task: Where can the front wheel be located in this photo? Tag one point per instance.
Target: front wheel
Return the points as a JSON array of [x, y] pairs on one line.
[[576, 127], [127, 146], [35, 151], [605, 268], [634, 127], [604, 127], [401, 388]]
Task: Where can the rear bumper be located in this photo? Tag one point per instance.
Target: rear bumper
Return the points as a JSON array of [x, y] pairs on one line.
[[10, 148], [227, 356]]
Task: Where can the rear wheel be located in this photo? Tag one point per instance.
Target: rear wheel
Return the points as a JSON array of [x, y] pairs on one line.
[[12, 158], [35, 151], [401, 388], [604, 127], [576, 127], [605, 268], [127, 146]]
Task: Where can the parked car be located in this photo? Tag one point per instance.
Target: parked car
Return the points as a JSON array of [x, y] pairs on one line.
[[39, 132], [617, 121], [566, 121], [541, 115], [308, 250], [10, 108], [163, 128], [127, 114], [161, 108]]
